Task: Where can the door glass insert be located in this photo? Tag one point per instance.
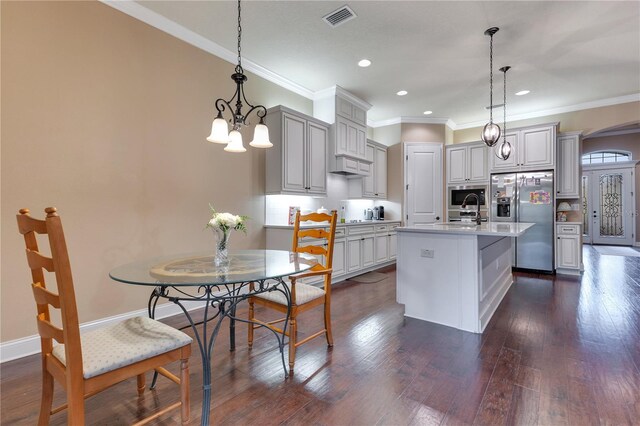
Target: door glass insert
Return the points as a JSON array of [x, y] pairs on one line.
[[610, 189], [585, 205]]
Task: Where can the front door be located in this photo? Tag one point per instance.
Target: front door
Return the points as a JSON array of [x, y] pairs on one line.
[[423, 183], [611, 206]]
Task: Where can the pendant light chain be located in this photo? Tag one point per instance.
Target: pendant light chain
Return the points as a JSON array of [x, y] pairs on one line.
[[504, 103], [491, 79], [239, 66]]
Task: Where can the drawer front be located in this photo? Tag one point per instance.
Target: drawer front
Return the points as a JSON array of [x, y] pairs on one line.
[[340, 232], [382, 228], [359, 230], [568, 229], [364, 168], [393, 226]]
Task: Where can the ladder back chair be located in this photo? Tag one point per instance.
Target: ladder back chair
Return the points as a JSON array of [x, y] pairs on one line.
[[303, 296], [85, 364]]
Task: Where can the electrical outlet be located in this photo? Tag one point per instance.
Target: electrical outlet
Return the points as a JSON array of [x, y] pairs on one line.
[[427, 253]]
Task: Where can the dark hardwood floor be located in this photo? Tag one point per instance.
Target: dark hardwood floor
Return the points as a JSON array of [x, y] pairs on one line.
[[559, 350]]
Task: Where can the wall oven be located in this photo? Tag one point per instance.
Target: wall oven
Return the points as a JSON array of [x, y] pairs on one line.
[[458, 193]]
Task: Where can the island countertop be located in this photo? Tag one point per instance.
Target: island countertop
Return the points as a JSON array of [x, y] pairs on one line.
[[497, 229]]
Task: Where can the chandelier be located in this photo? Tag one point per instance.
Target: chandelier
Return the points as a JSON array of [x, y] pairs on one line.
[[504, 150], [220, 129], [491, 131]]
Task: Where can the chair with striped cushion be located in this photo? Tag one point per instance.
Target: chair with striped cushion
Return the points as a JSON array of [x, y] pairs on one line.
[[303, 296], [85, 364]]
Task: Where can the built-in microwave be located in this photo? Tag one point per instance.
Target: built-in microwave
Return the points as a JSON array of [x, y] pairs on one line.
[[457, 194]]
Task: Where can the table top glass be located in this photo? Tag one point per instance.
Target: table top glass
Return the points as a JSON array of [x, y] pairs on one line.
[[199, 269]]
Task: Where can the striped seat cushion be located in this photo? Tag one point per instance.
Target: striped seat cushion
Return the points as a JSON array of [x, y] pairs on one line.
[[123, 344], [304, 293]]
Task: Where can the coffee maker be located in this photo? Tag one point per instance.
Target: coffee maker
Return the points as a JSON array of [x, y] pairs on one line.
[[378, 213]]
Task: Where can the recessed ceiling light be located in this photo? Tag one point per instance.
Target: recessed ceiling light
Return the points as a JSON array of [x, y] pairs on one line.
[[428, 112], [364, 63], [402, 93], [522, 92]]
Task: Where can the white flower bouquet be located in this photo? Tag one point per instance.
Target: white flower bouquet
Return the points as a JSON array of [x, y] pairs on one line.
[[221, 224]]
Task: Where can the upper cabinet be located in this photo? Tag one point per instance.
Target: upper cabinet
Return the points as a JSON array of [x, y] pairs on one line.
[[348, 138], [375, 184], [467, 163], [532, 148], [568, 169], [297, 163]]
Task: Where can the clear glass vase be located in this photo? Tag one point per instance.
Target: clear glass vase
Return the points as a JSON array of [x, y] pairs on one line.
[[222, 246]]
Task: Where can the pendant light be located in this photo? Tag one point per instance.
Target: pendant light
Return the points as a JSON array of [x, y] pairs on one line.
[[491, 131], [504, 150], [220, 129]]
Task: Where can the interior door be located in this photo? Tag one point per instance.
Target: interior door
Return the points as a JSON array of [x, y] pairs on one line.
[[423, 183], [612, 207]]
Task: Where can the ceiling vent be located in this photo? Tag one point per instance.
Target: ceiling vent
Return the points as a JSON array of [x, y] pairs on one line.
[[339, 16]]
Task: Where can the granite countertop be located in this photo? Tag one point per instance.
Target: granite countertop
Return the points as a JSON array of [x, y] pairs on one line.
[[568, 223], [363, 222], [498, 229]]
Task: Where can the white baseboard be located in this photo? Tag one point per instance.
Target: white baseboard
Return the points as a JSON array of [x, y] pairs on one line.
[[30, 345]]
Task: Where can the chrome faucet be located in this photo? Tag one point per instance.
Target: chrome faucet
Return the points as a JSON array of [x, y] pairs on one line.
[[464, 205]]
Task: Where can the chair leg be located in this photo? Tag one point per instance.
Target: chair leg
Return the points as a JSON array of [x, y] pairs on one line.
[[185, 406], [293, 336], [141, 384], [250, 325], [327, 322], [47, 398], [75, 408]]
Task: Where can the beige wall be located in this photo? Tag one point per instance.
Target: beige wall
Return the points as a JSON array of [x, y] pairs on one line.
[[387, 135], [630, 142], [105, 118], [588, 121], [423, 133]]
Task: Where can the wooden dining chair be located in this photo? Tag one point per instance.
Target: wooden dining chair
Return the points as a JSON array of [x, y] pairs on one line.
[[303, 296], [85, 364]]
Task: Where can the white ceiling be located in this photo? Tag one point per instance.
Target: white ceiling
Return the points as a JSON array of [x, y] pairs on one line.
[[565, 53]]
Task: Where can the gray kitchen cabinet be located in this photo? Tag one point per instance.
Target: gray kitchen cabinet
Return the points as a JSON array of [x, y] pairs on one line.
[[568, 248], [467, 163], [354, 254], [532, 148], [348, 139], [357, 248], [373, 186], [568, 167], [339, 256], [297, 162]]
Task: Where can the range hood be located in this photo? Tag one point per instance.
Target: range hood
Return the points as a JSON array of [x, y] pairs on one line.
[[349, 166]]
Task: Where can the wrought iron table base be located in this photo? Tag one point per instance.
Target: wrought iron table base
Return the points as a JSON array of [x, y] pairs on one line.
[[224, 298]]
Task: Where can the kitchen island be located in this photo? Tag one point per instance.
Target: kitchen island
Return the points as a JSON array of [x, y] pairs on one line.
[[455, 274]]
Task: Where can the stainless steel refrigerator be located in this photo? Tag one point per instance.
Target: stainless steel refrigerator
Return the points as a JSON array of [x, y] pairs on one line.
[[527, 197]]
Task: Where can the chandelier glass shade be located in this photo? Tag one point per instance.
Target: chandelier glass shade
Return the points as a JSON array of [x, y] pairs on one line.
[[491, 131], [504, 150], [220, 127]]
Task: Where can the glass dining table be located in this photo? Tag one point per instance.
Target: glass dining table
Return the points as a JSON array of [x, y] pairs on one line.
[[184, 279]]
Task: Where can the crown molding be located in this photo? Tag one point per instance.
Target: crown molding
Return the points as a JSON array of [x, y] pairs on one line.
[[141, 13], [612, 133], [336, 90], [635, 97], [412, 120]]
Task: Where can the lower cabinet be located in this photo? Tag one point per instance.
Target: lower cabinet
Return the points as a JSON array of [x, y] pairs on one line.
[[393, 246], [339, 255], [356, 248], [382, 248], [354, 254], [568, 248]]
